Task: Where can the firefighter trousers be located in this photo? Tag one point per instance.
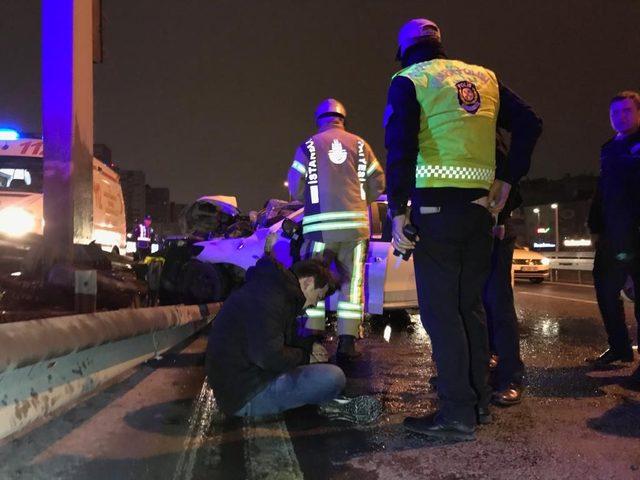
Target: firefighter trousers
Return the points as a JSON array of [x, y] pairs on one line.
[[348, 259]]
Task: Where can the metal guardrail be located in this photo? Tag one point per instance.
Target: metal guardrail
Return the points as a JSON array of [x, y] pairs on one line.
[[570, 261], [50, 364]]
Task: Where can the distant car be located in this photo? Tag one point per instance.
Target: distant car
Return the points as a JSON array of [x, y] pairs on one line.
[[216, 266], [530, 265]]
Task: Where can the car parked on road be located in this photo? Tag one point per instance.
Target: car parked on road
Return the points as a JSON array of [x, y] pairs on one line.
[[530, 265]]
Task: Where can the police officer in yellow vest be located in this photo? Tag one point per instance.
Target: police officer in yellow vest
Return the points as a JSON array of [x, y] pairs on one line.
[[336, 174], [440, 126]]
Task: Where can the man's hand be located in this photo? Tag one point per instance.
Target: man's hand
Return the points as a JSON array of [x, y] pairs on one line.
[[399, 241], [498, 194], [319, 354]]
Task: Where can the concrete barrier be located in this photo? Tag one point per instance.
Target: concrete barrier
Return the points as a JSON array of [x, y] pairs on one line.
[[50, 364]]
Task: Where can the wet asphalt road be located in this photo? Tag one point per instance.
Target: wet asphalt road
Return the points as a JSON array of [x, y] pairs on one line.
[[160, 423]]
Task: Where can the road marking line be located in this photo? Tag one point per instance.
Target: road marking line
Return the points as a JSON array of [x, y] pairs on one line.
[[582, 285], [593, 302], [268, 451]]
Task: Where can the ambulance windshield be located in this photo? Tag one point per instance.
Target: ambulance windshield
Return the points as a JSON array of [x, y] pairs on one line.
[[21, 174]]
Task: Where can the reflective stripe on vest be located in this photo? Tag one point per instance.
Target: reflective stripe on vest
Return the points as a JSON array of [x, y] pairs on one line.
[[326, 226], [300, 168], [464, 173], [332, 216], [312, 176], [372, 168], [362, 169], [456, 141]]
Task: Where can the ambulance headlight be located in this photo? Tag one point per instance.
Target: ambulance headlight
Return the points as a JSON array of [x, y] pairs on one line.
[[545, 261], [16, 221]]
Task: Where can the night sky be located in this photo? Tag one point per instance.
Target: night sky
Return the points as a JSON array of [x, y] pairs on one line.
[[214, 96]]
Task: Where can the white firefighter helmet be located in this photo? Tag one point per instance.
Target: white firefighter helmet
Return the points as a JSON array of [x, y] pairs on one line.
[[330, 106], [416, 31]]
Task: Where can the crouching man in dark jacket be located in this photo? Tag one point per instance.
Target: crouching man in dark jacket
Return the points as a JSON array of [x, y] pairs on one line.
[[256, 363]]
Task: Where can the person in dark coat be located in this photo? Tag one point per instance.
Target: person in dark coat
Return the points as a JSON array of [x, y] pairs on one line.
[[257, 364], [614, 222], [504, 338]]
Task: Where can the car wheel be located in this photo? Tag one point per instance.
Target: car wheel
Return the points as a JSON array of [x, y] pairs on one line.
[[536, 280], [202, 283]]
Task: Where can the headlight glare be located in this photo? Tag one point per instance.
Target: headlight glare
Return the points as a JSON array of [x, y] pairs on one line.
[[16, 221]]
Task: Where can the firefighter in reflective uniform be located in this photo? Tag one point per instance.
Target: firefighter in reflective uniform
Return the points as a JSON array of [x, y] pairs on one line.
[[440, 136], [144, 237], [336, 175]]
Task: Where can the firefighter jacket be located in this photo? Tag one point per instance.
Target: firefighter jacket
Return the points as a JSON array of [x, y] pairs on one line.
[[456, 140], [336, 175]]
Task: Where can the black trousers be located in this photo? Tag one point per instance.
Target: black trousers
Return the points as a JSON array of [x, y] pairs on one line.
[[504, 339], [452, 261], [609, 276], [141, 253]]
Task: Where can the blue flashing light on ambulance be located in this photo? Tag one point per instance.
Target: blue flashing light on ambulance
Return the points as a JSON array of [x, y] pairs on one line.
[[21, 199]]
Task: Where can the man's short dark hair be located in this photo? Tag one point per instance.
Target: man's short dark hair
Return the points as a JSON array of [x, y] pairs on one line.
[[321, 273], [627, 94]]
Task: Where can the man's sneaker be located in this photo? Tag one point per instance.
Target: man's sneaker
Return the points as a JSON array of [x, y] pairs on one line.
[[436, 427], [362, 410]]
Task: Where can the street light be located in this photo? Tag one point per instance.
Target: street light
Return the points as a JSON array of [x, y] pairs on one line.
[[554, 207]]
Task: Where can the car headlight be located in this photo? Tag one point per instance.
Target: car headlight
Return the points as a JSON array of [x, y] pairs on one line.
[[545, 261], [16, 221]]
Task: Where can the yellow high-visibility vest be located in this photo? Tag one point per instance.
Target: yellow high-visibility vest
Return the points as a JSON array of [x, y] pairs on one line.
[[459, 109]]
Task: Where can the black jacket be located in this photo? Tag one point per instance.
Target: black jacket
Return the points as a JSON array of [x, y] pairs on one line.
[[615, 209], [402, 123], [253, 338]]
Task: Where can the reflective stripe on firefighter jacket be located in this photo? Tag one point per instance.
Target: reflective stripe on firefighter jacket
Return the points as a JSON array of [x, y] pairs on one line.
[[336, 175], [459, 104]]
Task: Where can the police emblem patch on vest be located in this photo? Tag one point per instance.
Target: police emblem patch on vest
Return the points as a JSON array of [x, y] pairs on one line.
[[468, 96]]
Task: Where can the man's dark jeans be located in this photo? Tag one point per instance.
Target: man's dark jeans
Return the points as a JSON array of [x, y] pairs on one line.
[[502, 320], [306, 385], [609, 276], [452, 261]]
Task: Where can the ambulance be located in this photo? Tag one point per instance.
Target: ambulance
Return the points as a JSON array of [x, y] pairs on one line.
[[21, 184]]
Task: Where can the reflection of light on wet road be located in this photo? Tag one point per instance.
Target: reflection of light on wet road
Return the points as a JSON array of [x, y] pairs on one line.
[[420, 334], [387, 333], [204, 411], [549, 328]]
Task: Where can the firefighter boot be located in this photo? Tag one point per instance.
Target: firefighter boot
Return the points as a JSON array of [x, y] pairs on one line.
[[347, 348]]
